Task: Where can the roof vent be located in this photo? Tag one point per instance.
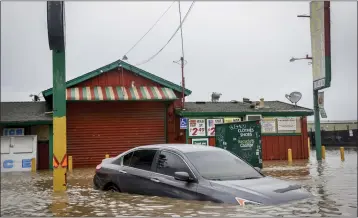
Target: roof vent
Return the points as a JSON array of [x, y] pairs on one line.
[[234, 101], [215, 96], [246, 100], [200, 102]]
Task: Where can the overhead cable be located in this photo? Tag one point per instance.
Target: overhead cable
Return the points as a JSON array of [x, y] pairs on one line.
[[150, 28], [152, 57]]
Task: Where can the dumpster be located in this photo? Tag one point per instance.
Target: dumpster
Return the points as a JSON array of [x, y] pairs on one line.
[[242, 139]]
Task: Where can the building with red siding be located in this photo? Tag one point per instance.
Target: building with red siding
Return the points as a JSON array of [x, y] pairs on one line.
[[284, 125], [118, 107]]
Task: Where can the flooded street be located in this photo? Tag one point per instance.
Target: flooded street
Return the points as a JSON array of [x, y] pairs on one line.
[[333, 184]]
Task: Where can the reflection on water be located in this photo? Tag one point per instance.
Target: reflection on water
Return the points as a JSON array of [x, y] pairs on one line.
[[333, 184]]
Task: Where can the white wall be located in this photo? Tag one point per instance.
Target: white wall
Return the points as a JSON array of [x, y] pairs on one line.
[[17, 152]]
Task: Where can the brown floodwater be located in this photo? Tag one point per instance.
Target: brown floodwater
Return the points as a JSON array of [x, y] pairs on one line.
[[332, 182]]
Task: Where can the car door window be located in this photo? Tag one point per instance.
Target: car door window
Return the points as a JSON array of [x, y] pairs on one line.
[[142, 159], [169, 163], [127, 159], [123, 160]]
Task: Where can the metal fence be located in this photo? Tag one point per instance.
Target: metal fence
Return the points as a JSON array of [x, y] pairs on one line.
[[337, 138]]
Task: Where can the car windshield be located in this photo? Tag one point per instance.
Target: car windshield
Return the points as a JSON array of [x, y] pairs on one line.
[[221, 165]]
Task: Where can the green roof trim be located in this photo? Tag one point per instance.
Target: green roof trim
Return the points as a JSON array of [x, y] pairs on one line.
[[26, 123], [236, 114], [126, 66]]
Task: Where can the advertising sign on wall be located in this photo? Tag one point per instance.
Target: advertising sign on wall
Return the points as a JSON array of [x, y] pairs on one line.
[[268, 126], [210, 125], [286, 124], [197, 127], [17, 152], [201, 141], [242, 139], [232, 119]]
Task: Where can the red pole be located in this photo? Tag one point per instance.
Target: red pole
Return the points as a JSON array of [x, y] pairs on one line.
[[182, 82]]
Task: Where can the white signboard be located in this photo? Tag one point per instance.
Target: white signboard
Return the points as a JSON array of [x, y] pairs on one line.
[[232, 119], [197, 127], [320, 44], [201, 141], [210, 125], [286, 124], [268, 126]]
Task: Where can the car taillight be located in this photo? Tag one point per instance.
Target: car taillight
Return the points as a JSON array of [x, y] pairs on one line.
[[98, 167]]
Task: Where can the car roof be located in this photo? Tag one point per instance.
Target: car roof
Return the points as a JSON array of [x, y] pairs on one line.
[[184, 148]]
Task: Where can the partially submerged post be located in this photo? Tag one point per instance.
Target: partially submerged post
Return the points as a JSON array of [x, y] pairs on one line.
[[56, 37]]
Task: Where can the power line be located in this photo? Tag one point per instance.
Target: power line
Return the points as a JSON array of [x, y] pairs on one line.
[[149, 29], [152, 57]]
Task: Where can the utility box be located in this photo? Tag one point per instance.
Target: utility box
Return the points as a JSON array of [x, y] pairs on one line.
[[242, 139]]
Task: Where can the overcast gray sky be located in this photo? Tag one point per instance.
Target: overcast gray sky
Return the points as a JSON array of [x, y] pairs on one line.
[[240, 49]]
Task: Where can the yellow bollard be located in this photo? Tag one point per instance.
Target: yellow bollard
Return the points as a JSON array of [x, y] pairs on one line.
[[289, 155], [107, 156], [33, 165], [70, 166], [309, 147], [323, 152], [342, 153]]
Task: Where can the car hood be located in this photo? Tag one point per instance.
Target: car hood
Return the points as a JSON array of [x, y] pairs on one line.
[[266, 190]]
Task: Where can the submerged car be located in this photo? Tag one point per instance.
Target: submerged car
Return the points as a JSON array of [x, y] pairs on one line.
[[192, 172]]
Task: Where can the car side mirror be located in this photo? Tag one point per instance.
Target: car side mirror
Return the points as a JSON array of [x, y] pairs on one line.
[[182, 176]]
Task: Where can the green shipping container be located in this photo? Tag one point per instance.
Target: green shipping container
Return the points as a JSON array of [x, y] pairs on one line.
[[242, 139]]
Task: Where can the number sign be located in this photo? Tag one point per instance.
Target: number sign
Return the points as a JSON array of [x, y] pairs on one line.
[[197, 127], [210, 125]]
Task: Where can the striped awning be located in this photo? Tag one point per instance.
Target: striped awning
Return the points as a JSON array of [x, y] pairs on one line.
[[119, 93]]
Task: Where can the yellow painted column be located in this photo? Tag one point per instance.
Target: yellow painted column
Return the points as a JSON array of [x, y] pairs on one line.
[[341, 149], [60, 156], [70, 163], [33, 165], [289, 155], [323, 152], [309, 147], [59, 122]]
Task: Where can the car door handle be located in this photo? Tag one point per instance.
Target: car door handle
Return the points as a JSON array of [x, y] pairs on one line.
[[155, 180], [122, 171]]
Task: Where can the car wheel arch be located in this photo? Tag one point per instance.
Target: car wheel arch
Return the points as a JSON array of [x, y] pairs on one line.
[[109, 185]]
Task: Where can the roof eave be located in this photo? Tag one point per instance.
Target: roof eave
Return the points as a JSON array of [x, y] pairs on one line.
[[267, 114], [126, 66], [26, 123]]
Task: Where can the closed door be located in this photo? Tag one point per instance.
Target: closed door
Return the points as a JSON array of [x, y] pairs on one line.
[[43, 156], [163, 181]]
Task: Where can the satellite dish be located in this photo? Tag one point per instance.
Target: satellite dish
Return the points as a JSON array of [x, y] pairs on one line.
[[294, 97]]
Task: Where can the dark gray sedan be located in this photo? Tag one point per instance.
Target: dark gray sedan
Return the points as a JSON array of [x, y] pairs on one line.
[[192, 172]]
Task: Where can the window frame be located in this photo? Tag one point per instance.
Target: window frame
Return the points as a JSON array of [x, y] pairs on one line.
[[252, 115], [191, 173], [121, 157]]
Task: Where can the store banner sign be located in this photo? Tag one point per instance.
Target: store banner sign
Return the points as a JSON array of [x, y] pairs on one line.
[[232, 119], [287, 124], [268, 126], [13, 132], [201, 141], [210, 125], [197, 127]]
